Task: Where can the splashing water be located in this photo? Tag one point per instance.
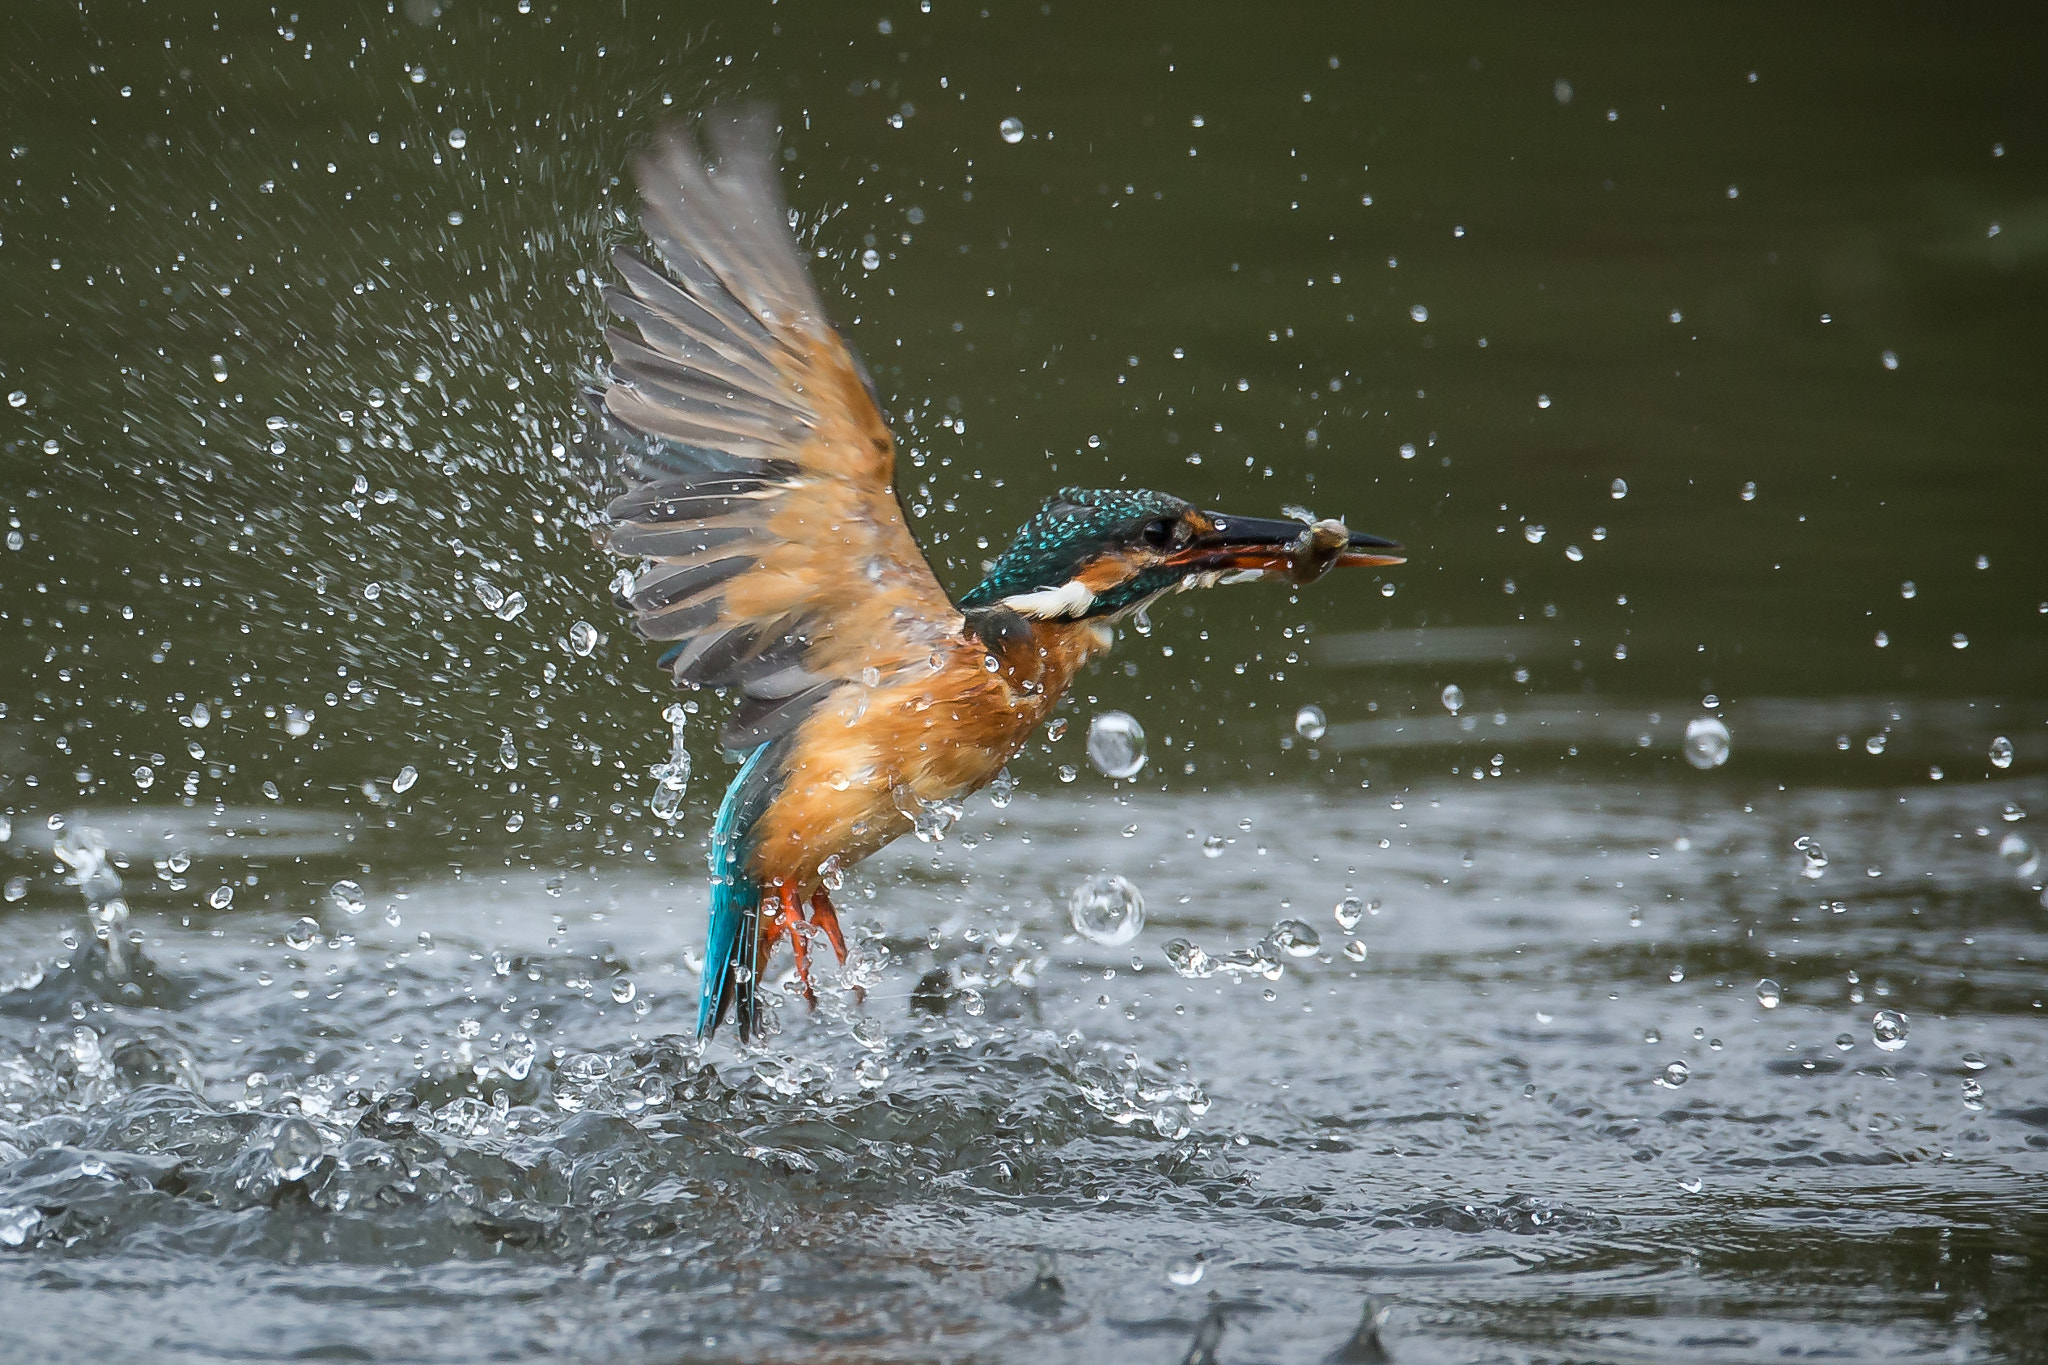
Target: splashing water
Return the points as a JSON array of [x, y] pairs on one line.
[[671, 777]]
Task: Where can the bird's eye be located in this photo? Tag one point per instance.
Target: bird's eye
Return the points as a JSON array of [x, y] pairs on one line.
[[1158, 532]]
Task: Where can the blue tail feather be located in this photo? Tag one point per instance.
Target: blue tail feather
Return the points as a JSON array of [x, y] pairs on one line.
[[735, 900]]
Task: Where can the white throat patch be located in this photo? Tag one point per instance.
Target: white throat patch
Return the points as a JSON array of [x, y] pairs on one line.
[[1072, 600]]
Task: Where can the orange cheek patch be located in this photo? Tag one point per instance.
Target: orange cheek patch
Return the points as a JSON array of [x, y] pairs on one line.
[[1110, 571]]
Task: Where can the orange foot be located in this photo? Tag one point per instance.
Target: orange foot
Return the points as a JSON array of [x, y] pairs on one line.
[[785, 916], [826, 918]]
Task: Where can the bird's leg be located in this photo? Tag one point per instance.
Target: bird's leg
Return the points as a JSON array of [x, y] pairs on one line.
[[827, 919], [789, 920]]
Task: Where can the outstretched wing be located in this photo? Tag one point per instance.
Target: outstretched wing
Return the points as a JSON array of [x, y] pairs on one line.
[[758, 465]]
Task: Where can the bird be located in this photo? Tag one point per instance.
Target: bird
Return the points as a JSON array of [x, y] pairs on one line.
[[777, 566]]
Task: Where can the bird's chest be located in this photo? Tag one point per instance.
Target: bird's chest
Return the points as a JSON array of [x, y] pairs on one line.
[[866, 764]]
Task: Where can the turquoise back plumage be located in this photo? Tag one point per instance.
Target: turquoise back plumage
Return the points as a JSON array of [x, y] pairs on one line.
[[735, 899]]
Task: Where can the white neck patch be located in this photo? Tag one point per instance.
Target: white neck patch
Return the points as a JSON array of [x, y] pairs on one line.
[[1072, 599]]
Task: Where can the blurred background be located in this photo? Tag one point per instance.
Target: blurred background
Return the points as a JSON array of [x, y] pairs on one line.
[[1688, 362], [1695, 355]]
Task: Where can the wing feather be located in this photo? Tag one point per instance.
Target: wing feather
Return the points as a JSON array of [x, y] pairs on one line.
[[759, 469]]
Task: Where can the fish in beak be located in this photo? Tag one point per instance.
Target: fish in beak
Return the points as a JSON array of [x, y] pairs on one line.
[[1296, 551]]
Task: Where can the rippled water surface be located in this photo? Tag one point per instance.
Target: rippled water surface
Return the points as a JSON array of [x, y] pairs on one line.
[[1616, 935]]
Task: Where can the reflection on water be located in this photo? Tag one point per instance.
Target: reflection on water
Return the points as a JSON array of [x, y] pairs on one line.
[[1615, 935]]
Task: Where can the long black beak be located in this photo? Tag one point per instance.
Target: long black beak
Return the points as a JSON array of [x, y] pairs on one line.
[[1300, 552], [1272, 533]]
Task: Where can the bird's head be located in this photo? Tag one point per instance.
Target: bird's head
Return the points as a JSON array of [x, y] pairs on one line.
[[1091, 553]]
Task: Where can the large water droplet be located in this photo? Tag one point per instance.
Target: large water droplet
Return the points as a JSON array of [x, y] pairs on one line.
[[348, 897], [2001, 752], [1012, 130], [1454, 698], [582, 638], [1973, 1093], [1706, 742], [223, 896], [1184, 1271], [1296, 938], [1190, 960], [1310, 722], [404, 781], [1674, 1075], [1348, 912], [295, 1148], [1116, 744], [304, 933], [457, 138], [1769, 993], [1816, 864], [1888, 1029], [1107, 909]]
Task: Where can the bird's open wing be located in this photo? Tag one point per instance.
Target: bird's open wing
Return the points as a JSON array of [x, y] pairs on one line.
[[758, 465]]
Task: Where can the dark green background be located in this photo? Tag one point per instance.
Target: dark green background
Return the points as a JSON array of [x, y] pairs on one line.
[[1807, 189]]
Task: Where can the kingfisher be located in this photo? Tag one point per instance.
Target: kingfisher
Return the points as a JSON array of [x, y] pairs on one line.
[[777, 565]]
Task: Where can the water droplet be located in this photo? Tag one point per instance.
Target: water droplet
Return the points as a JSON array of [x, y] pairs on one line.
[[1888, 1029], [304, 933], [1296, 938], [1973, 1093], [622, 990], [1184, 1271], [17, 399], [2001, 752], [295, 1148], [1355, 950], [871, 259], [1706, 742], [1055, 729], [457, 138], [1418, 313], [1674, 1075], [1890, 359], [223, 896], [1107, 909], [145, 777], [1116, 744], [348, 897], [512, 604], [1974, 1061], [1769, 993], [672, 777], [508, 751], [1618, 489], [220, 369], [1454, 698], [404, 781], [1533, 533], [1845, 1042], [1002, 789], [1348, 912], [1816, 863], [1012, 130], [1959, 640], [1310, 722], [582, 639], [1212, 847]]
